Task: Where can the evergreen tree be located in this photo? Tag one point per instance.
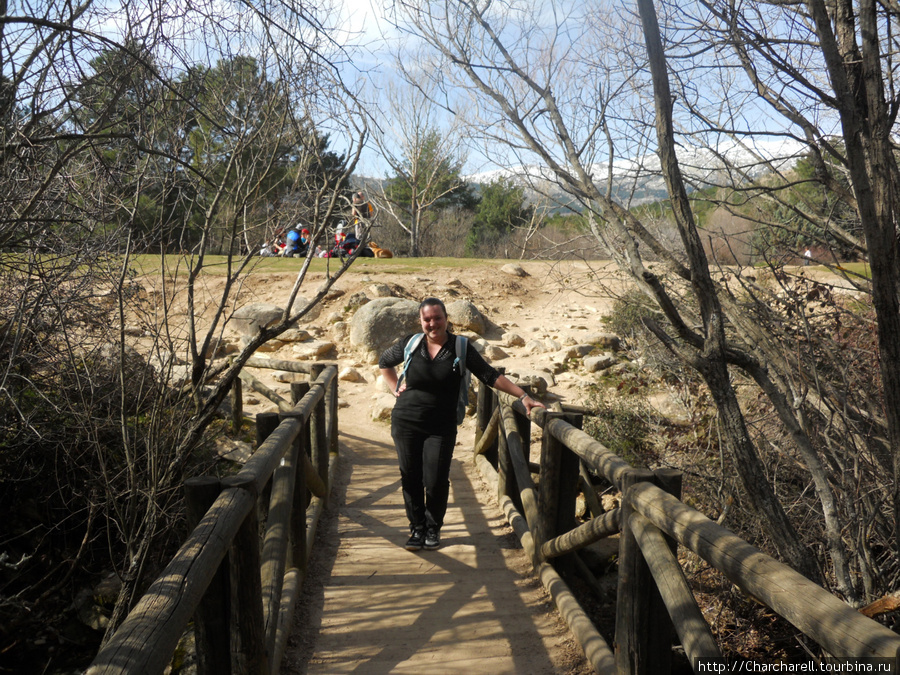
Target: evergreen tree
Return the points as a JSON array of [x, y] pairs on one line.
[[502, 209]]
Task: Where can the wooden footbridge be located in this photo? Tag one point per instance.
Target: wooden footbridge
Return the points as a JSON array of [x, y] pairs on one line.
[[235, 582]]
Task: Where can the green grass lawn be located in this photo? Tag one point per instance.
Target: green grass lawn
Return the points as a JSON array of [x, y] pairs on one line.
[[150, 264]]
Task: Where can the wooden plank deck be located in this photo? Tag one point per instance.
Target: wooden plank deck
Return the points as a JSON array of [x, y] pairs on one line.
[[471, 606]]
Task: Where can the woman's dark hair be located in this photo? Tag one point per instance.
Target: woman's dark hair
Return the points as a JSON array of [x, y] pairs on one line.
[[432, 302]]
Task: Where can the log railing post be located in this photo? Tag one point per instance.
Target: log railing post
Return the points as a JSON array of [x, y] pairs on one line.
[[641, 648], [487, 402], [333, 415], [523, 424], [509, 485], [248, 636], [266, 423], [319, 442], [237, 406], [568, 493], [319, 432], [482, 409], [276, 542], [301, 490], [558, 487], [211, 618], [506, 479]]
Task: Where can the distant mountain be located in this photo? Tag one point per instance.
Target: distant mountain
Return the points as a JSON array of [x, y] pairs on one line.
[[638, 181]]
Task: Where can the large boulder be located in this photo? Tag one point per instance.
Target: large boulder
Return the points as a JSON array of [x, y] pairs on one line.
[[250, 318], [381, 322], [465, 316], [301, 303]]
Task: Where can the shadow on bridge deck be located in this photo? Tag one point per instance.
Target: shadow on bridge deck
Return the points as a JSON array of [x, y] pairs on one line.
[[369, 606]]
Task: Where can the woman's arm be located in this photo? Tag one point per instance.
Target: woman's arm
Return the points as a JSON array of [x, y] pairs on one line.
[[390, 376], [507, 386], [390, 358]]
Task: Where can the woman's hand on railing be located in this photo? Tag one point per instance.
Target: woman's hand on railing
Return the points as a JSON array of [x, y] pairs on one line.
[[530, 404]]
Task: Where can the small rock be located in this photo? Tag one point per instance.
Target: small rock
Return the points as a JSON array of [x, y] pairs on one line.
[[381, 291], [294, 335], [251, 400], [610, 502], [334, 317], [535, 347], [350, 375], [605, 340], [514, 269], [107, 590], [272, 345], [176, 375], [563, 355], [383, 407], [250, 318], [340, 331], [552, 345], [494, 353], [594, 364], [233, 450], [513, 340], [313, 349], [356, 301], [558, 367], [535, 381]]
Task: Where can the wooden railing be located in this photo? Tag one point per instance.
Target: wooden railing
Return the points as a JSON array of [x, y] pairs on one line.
[[238, 583], [654, 602]]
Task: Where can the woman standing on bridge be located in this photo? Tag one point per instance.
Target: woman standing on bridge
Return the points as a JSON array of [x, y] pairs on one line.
[[423, 422]]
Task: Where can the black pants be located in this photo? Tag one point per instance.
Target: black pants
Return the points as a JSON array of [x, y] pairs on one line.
[[424, 473]]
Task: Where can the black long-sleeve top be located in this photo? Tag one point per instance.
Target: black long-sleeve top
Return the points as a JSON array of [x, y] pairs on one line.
[[432, 385]]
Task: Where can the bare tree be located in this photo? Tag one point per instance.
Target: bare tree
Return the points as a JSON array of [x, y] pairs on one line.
[[129, 130], [570, 91], [426, 160]]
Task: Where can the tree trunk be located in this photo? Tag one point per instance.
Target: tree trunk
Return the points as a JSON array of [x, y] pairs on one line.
[[865, 123], [711, 362]]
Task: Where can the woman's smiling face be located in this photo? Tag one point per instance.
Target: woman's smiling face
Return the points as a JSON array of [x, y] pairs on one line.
[[434, 323]]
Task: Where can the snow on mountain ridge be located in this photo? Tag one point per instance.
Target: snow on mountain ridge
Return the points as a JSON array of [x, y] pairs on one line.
[[697, 164]]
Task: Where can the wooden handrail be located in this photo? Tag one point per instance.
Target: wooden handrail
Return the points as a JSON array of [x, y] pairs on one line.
[[145, 641], [693, 631], [839, 628], [269, 580], [648, 515], [584, 535]]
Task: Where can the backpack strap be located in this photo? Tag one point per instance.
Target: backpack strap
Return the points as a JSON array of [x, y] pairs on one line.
[[462, 345], [408, 351], [462, 400]]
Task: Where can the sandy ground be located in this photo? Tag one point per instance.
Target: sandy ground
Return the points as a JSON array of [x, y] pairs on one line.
[[473, 606]]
